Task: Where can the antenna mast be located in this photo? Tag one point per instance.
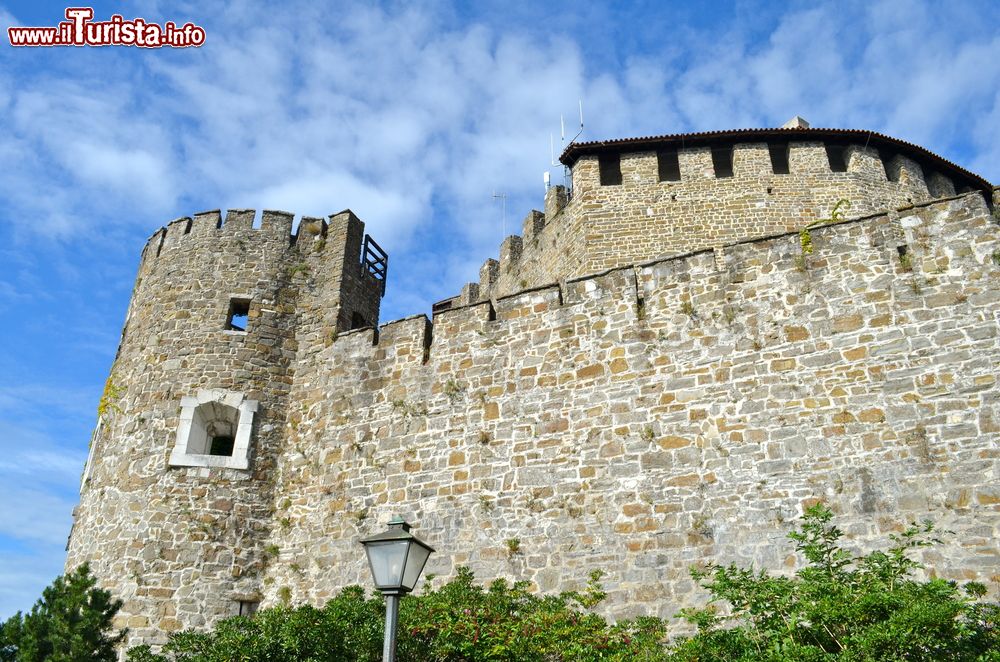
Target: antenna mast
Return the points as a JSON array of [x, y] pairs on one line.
[[503, 211], [581, 124], [562, 147]]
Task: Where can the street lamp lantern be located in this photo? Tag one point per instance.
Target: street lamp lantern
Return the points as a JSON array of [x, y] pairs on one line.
[[396, 557]]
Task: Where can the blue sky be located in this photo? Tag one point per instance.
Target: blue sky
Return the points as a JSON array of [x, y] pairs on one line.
[[410, 114]]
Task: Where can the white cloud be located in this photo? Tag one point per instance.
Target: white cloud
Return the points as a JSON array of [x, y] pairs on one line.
[[35, 462], [43, 402], [414, 125]]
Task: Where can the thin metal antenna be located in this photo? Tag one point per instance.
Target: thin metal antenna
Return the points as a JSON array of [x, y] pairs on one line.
[[503, 211], [581, 124]]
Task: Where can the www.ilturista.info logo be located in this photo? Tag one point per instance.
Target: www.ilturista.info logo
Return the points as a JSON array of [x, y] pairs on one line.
[[80, 30]]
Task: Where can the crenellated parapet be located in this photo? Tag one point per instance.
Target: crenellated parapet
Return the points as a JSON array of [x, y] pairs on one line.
[[637, 199], [702, 281]]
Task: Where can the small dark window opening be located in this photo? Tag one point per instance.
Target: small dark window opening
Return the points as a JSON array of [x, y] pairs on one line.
[[722, 161], [610, 166], [159, 245], [891, 174], [249, 607], [221, 445], [187, 227], [357, 321], [668, 165], [837, 156], [239, 313], [779, 159]]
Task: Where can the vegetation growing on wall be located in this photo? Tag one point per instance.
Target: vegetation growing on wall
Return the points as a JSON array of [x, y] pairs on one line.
[[838, 607]]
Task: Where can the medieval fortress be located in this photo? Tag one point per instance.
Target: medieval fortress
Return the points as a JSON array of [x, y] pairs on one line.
[[662, 369]]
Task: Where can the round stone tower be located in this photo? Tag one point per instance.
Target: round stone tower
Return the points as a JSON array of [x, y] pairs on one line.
[[177, 494]]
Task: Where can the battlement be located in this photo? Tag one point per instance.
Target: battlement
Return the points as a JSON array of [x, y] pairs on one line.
[[265, 244], [482, 324], [638, 199], [272, 226]]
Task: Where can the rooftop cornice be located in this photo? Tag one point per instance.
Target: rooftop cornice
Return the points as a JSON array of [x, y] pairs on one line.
[[874, 139]]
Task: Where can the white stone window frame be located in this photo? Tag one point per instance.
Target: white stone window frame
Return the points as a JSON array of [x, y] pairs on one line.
[[240, 459]]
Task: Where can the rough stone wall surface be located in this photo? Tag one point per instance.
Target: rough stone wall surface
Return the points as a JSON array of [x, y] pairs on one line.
[[605, 226], [654, 417], [180, 545], [635, 421]]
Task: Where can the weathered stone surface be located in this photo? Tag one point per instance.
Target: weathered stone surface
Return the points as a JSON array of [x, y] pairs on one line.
[[636, 421], [606, 226]]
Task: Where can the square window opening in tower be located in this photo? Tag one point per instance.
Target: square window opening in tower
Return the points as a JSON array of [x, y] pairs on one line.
[[722, 161], [610, 166], [239, 315], [668, 165], [779, 158], [222, 445], [837, 156], [248, 607]]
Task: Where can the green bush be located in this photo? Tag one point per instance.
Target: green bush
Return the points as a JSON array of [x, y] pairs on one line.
[[842, 608], [837, 607], [72, 622], [458, 621]]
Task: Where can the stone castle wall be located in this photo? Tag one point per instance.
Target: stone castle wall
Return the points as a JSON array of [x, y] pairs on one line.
[[649, 418], [636, 421], [606, 226]]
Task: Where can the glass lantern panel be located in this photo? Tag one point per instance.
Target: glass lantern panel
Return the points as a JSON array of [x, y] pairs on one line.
[[414, 565], [387, 559]]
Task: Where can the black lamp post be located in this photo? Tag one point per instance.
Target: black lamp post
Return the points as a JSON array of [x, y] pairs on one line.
[[397, 558]]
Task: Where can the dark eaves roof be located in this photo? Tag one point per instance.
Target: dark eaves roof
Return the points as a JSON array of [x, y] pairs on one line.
[[874, 139]]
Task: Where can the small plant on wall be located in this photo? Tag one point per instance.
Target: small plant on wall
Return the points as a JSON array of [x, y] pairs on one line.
[[805, 236]]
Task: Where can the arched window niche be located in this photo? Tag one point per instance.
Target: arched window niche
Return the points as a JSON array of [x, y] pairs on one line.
[[214, 430]]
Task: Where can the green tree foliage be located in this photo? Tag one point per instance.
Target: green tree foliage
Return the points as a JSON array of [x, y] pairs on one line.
[[72, 622], [836, 608], [349, 627], [842, 608], [458, 621]]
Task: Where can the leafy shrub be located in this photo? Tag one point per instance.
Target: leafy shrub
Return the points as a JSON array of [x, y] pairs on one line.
[[842, 608], [458, 621]]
